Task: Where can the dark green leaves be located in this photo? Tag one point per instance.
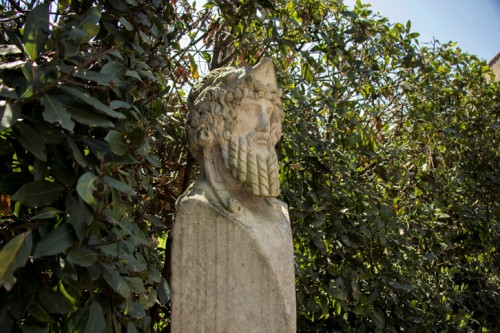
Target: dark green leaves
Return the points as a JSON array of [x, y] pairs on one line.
[[115, 71], [56, 112], [85, 97], [79, 215], [55, 242], [81, 113], [118, 185], [79, 95], [82, 256], [96, 321], [54, 302], [38, 193], [31, 140], [12, 256], [116, 281], [117, 142], [36, 30], [81, 30]]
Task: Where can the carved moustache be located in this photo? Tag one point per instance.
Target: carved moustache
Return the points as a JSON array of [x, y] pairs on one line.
[[260, 173]]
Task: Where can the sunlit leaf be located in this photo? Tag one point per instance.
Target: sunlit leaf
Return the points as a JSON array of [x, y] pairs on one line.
[[12, 256], [86, 186], [8, 114], [86, 26], [36, 30]]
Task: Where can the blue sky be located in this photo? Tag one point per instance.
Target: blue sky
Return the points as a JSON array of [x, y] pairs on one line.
[[473, 24]]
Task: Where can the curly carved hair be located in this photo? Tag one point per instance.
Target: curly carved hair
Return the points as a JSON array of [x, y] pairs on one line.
[[213, 102]]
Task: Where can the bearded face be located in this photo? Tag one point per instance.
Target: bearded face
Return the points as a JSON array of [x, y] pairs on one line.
[[249, 153]]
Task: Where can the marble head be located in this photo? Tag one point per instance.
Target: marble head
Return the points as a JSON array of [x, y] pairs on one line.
[[237, 111]]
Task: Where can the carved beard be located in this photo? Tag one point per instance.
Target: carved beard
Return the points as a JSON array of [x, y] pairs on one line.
[[258, 171]]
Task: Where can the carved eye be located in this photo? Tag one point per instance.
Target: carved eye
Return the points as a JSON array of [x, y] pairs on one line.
[[251, 110]]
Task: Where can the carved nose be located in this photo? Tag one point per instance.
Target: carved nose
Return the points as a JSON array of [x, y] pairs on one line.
[[264, 124]]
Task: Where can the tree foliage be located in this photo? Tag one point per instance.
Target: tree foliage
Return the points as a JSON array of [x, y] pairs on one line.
[[389, 162]]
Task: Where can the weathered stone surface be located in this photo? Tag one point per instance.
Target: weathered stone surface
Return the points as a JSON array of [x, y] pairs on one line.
[[232, 252], [235, 273]]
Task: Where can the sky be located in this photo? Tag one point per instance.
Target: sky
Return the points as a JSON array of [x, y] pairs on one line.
[[473, 24]]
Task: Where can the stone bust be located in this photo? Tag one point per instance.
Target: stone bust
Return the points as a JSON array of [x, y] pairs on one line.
[[232, 249], [234, 122]]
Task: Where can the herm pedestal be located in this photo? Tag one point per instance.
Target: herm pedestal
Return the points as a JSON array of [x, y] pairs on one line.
[[232, 251]]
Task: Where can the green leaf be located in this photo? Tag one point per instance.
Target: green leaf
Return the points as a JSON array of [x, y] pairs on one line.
[[82, 256], [47, 213], [193, 67], [54, 111], [86, 187], [14, 255], [133, 74], [378, 318], [7, 92], [118, 185], [86, 26], [137, 310], [63, 4], [62, 165], [36, 30], [14, 37], [117, 104], [306, 72], [8, 114], [79, 215], [38, 193], [11, 182], [77, 154], [339, 293], [54, 302], [39, 313], [116, 143], [123, 21], [86, 98], [115, 281], [136, 284], [96, 323], [115, 70], [90, 75], [86, 116], [30, 140], [164, 291], [360, 310], [33, 329], [55, 242], [131, 328]]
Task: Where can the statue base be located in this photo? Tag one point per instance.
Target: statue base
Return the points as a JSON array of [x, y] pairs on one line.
[[232, 272]]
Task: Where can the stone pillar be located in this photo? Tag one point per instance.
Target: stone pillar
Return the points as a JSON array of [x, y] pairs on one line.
[[232, 251]]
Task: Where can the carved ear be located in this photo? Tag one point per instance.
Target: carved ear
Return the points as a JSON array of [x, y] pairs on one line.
[[264, 72]]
